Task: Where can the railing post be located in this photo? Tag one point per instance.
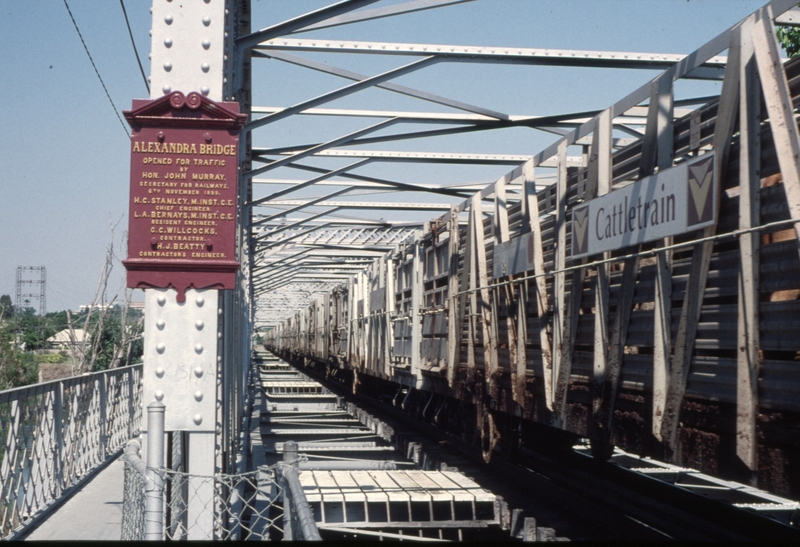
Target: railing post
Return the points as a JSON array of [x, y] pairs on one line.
[[103, 393], [289, 458], [58, 434], [131, 400], [154, 492]]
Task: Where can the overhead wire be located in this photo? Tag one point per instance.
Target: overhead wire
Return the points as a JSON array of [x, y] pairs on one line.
[[116, 111], [133, 43]]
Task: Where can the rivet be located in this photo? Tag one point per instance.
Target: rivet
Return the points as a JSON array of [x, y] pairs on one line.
[[160, 324], [150, 33], [161, 300], [204, 90], [205, 67], [166, 89], [206, 20], [160, 348], [141, 405], [167, 66], [159, 395], [226, 35], [199, 324], [168, 19], [198, 371], [225, 57], [219, 335], [219, 358], [206, 44], [198, 348], [224, 80], [198, 419], [160, 372], [198, 395], [200, 301], [168, 42]]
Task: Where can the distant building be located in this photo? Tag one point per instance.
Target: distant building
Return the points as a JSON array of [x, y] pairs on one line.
[[62, 340], [88, 307]]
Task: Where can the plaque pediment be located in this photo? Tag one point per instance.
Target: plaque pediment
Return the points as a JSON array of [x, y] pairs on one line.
[[192, 110]]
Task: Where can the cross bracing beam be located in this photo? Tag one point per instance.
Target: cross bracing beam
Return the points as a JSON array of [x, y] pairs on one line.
[[298, 23], [384, 182], [282, 271], [438, 157], [379, 13], [358, 222], [427, 117], [300, 278], [790, 18], [341, 92], [294, 224], [380, 249], [384, 238], [365, 205], [292, 273], [319, 148], [554, 124], [342, 255], [316, 232], [403, 90], [455, 118], [310, 182], [423, 157], [321, 234], [465, 189], [711, 69]]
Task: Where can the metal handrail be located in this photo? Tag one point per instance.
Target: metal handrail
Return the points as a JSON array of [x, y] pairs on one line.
[[54, 435]]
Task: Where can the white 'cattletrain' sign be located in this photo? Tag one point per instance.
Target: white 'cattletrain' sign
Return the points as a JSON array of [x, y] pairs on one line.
[[674, 201]]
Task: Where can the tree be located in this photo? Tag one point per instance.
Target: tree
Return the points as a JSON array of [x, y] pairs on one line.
[[789, 38], [32, 330], [6, 307], [108, 333], [17, 368]]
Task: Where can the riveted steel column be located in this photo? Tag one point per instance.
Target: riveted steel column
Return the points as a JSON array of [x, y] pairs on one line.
[[181, 339]]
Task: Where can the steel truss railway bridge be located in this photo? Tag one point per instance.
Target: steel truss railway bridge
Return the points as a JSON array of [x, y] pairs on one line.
[[449, 282]]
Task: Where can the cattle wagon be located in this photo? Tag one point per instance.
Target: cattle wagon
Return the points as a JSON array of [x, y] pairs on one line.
[[497, 320]]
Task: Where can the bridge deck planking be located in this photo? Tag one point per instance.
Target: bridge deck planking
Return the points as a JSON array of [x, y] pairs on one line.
[[94, 513]]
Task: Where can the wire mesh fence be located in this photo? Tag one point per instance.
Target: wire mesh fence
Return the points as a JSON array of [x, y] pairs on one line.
[[258, 505]]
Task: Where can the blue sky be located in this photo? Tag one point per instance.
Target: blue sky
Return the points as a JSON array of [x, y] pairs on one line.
[[64, 159]]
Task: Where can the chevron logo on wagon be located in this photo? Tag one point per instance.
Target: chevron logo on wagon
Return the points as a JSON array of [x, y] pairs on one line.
[[674, 201]]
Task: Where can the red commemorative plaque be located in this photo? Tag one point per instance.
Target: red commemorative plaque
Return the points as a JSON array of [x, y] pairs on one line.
[[183, 201]]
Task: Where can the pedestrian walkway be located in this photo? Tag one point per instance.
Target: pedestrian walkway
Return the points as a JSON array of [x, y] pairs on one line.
[[93, 513]]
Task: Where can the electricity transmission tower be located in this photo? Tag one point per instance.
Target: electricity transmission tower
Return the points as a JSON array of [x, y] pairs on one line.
[[31, 282]]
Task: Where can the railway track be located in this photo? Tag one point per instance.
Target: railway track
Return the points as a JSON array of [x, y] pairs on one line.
[[572, 495], [358, 485]]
